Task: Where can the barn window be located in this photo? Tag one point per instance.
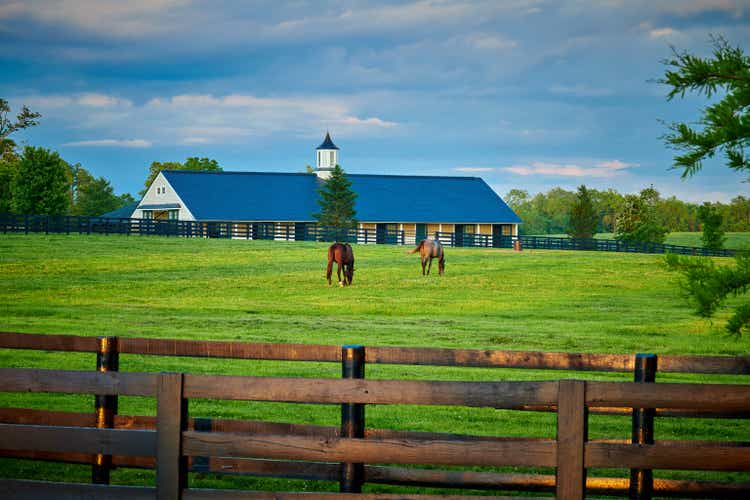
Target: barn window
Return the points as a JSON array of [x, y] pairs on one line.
[[332, 159], [173, 214], [148, 214]]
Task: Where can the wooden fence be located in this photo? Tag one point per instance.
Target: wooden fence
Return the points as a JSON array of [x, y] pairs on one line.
[[64, 224], [174, 443]]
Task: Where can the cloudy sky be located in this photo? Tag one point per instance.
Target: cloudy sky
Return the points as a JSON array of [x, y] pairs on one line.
[[524, 93]]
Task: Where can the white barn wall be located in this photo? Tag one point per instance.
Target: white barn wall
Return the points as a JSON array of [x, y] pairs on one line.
[[170, 196]]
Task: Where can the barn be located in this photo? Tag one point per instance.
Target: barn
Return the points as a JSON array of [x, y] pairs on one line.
[[417, 205]]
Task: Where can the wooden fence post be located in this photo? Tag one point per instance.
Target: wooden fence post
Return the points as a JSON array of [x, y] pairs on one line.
[[107, 359], [642, 480], [352, 418], [572, 434], [171, 419]]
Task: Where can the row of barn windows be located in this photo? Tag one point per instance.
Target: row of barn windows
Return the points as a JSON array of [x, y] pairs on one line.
[[161, 214]]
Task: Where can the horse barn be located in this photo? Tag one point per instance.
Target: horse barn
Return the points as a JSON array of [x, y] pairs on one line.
[[410, 206]]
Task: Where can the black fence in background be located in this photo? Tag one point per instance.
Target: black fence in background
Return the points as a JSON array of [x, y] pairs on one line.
[[68, 224]]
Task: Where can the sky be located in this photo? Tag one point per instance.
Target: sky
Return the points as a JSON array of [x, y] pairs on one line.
[[527, 94]]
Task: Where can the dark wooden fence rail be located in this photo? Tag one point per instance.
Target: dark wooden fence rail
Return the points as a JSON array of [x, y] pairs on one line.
[[300, 390], [571, 453], [67, 224]]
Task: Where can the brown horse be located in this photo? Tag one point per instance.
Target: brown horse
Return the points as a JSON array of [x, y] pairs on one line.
[[428, 250], [344, 256]]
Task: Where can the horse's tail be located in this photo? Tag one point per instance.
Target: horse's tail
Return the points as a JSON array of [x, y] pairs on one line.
[[329, 269], [419, 247]]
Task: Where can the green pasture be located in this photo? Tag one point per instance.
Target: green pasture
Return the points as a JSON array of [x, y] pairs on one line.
[[262, 291], [734, 241]]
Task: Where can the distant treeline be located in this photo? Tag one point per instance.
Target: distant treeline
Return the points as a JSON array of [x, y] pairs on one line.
[[549, 213]]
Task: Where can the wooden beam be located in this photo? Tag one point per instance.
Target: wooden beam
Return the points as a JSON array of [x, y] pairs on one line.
[[520, 453], [77, 382], [171, 413], [572, 433], [656, 456], [77, 439], [724, 397], [507, 395]]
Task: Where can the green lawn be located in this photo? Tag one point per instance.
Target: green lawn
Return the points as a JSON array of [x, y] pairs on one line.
[[275, 292]]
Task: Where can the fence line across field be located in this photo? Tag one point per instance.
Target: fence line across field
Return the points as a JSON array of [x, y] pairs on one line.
[[172, 441], [64, 224], [223, 446]]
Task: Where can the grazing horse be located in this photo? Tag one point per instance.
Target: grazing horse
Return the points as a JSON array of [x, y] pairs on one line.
[[428, 250], [344, 256]]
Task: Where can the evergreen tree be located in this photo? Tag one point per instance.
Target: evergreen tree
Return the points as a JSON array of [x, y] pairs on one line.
[[42, 183], [8, 171], [725, 129], [583, 215], [336, 200], [713, 232]]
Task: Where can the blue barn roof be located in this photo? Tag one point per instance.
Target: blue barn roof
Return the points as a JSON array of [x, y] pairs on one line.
[[269, 196], [121, 213]]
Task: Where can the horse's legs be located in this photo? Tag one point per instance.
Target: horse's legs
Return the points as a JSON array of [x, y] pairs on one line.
[[441, 265], [338, 271], [329, 270], [429, 267], [424, 263]]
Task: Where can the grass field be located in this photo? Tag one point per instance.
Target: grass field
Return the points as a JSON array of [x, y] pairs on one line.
[[275, 292], [689, 239]]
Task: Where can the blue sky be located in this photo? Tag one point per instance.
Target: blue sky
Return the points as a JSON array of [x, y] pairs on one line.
[[526, 94]]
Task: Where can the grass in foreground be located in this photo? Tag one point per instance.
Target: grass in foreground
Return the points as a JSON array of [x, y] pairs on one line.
[[275, 292]]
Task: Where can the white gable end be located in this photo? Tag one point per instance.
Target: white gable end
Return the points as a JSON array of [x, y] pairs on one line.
[[162, 197]]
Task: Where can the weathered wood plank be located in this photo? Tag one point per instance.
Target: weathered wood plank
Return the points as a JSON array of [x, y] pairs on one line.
[[307, 390], [657, 456], [171, 413], [724, 397], [739, 365], [17, 489], [237, 350], [499, 359], [77, 382], [572, 425], [198, 494], [77, 439], [48, 342], [730, 365], [520, 453]]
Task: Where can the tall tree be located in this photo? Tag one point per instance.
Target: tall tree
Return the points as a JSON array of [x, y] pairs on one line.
[[25, 119], [583, 215], [192, 163], [712, 222], [336, 200], [724, 130], [638, 218], [725, 123], [42, 183], [96, 197], [8, 170]]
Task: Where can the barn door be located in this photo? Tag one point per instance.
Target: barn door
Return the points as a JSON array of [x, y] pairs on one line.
[[458, 235], [421, 232], [381, 233], [300, 231]]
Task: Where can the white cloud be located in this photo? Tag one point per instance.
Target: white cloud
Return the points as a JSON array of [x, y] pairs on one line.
[[207, 118], [609, 168], [107, 17], [101, 101], [119, 143], [663, 32]]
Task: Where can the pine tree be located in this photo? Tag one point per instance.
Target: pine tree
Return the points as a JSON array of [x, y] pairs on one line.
[[724, 129], [583, 215], [638, 219], [336, 200]]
